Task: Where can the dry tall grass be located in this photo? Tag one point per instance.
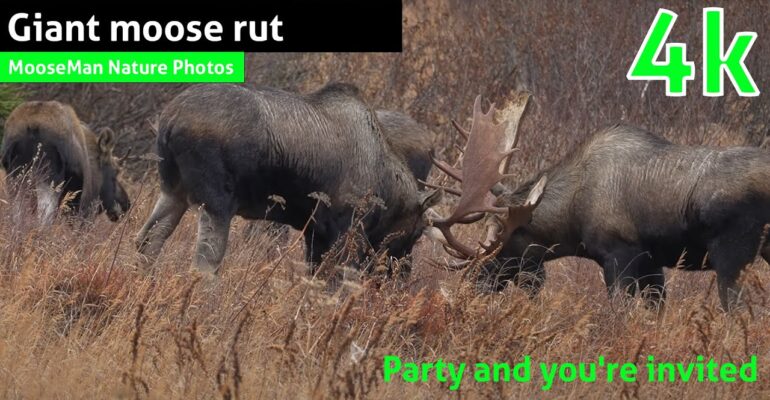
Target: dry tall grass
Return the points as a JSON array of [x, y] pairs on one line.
[[76, 321]]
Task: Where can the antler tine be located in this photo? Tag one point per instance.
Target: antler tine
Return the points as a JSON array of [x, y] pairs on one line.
[[460, 250], [483, 155], [460, 129], [487, 153], [153, 123], [442, 233], [448, 169], [449, 190], [477, 108], [512, 113], [447, 240]]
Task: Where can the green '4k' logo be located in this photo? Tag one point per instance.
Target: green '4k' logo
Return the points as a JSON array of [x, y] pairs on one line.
[[675, 70]]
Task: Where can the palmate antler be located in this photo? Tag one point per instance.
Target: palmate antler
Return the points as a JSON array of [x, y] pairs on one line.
[[486, 156]]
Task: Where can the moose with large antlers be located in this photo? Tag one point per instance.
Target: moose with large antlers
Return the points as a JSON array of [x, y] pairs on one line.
[[228, 149], [627, 199]]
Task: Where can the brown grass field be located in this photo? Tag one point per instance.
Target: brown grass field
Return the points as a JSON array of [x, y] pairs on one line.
[[78, 320]]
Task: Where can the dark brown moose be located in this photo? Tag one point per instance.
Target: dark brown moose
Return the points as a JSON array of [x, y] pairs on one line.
[[74, 162], [409, 139], [228, 149], [627, 199]]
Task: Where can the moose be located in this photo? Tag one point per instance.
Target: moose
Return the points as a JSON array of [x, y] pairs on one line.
[[629, 200], [227, 149], [407, 138], [72, 162]]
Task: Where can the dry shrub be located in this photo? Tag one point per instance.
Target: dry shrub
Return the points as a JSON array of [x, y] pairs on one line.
[[76, 320]]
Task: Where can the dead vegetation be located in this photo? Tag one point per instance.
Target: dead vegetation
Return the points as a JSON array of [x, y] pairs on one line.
[[76, 320]]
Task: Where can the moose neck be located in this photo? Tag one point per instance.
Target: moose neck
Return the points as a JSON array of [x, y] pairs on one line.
[[397, 189], [553, 221]]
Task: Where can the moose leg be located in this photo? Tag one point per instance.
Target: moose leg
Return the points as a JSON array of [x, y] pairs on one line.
[[531, 279], [765, 252], [621, 269], [47, 202], [529, 275], [165, 217], [728, 272], [652, 286], [729, 253], [213, 230], [728, 256], [492, 277], [316, 245]]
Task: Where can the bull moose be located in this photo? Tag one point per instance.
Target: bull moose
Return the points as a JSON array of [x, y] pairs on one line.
[[407, 138], [627, 199], [227, 149], [74, 162]]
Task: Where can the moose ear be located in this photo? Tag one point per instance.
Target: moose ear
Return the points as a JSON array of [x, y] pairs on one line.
[[429, 199], [536, 193], [106, 140]]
